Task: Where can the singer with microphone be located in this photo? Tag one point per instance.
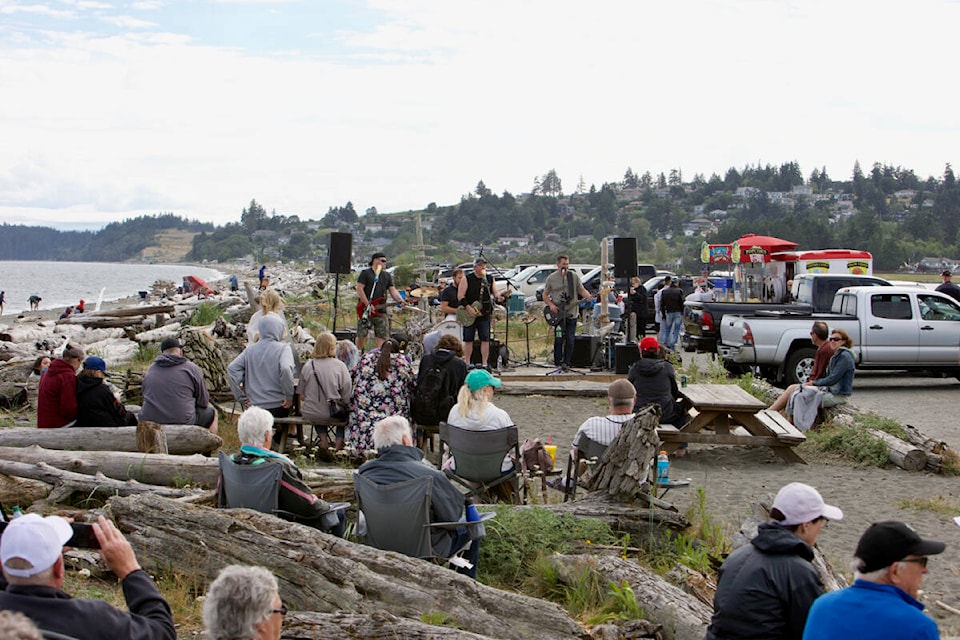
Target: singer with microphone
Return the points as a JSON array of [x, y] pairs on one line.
[[560, 293], [477, 293], [373, 287]]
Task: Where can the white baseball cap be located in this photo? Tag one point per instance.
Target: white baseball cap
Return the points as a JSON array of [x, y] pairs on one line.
[[802, 503], [37, 540]]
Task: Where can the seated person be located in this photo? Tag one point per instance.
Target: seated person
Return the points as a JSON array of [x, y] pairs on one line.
[[255, 430], [96, 404], [656, 383], [818, 336], [57, 393], [475, 410], [621, 397], [243, 603], [398, 460]]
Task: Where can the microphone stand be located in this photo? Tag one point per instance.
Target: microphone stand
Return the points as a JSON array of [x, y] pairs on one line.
[[506, 335]]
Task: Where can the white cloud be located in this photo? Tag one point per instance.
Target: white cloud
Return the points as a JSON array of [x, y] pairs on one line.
[[128, 22], [11, 8]]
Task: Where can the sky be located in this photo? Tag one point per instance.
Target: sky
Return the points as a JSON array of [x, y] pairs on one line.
[[112, 109]]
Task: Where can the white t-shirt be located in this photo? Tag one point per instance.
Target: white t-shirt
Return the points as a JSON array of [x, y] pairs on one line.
[[602, 429]]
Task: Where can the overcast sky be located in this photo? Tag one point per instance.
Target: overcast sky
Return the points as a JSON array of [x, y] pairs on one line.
[[113, 109]]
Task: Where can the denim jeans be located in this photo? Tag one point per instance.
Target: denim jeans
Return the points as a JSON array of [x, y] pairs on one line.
[[672, 332], [472, 555], [563, 342]]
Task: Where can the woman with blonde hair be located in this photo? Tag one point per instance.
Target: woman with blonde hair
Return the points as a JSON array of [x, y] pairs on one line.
[[270, 302], [383, 383], [322, 379], [475, 410]]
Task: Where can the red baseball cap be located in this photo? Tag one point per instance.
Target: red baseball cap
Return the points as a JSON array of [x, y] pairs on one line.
[[649, 344]]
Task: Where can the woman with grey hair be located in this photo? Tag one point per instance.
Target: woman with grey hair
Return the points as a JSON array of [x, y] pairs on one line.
[[255, 428], [243, 603]]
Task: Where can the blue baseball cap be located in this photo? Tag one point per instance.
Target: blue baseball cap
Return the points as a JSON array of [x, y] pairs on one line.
[[95, 362], [480, 378]]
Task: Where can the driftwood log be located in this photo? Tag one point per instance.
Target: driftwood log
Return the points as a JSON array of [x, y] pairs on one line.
[[624, 470], [903, 454], [318, 572], [153, 468], [627, 518], [183, 439], [308, 624], [681, 615], [66, 483]]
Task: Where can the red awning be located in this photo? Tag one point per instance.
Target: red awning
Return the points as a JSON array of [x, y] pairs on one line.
[[769, 243]]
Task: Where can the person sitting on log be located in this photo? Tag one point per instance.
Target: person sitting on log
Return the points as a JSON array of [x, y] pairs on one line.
[[243, 603], [96, 404], [819, 334], [174, 391], [31, 552], [399, 460], [57, 394], [766, 587], [656, 383], [255, 429]]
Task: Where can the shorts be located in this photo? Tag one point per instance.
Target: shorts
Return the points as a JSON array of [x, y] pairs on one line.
[[831, 400], [205, 416], [380, 324], [480, 326]]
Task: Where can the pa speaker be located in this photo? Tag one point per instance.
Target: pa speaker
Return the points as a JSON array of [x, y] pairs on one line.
[[624, 257], [340, 253], [584, 350], [625, 355]]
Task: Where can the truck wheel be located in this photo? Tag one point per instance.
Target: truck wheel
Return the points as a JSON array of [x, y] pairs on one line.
[[799, 365]]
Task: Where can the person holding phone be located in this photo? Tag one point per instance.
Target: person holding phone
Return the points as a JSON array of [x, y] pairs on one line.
[[31, 553]]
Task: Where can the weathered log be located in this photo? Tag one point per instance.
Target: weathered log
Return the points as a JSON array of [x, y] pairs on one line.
[[903, 454], [380, 624], [68, 482], [151, 438], [183, 439], [149, 468], [681, 615], [14, 490], [620, 516], [624, 470], [102, 322], [127, 312], [25, 334], [319, 572]]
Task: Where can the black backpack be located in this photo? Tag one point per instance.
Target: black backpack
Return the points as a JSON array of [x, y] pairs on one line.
[[431, 403]]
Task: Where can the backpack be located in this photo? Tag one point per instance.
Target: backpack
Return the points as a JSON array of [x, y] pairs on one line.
[[431, 403]]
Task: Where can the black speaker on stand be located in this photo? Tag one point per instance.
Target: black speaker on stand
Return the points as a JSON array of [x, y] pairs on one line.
[[339, 255], [624, 257]]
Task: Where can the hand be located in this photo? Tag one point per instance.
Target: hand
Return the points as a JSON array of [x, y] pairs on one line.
[[115, 549], [245, 403], [473, 312], [286, 404], [553, 307]]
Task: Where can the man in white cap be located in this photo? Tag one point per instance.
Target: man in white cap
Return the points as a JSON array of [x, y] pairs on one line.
[[889, 565], [766, 587], [31, 553]]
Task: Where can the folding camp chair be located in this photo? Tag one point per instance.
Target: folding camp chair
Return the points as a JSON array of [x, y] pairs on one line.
[[477, 458], [589, 451]]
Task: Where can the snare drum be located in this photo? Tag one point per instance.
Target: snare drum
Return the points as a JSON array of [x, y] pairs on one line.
[[431, 339]]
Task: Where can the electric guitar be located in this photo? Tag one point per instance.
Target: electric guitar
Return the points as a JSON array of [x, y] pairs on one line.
[[376, 308], [553, 318], [464, 317]]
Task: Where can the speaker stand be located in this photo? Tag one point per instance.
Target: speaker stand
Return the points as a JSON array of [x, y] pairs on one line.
[[336, 300]]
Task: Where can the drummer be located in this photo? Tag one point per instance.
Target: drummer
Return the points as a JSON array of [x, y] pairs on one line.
[[448, 297]]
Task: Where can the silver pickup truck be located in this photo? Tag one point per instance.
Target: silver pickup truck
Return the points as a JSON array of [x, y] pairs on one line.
[[900, 328]]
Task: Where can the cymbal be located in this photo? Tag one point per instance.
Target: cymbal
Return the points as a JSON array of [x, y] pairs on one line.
[[424, 292]]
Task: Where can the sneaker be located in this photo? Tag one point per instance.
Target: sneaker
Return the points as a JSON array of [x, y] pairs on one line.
[[564, 367]]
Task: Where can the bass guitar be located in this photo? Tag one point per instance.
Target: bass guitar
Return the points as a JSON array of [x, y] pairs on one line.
[[553, 318], [464, 317], [376, 308]]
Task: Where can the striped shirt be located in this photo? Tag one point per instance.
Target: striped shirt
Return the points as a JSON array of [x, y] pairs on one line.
[[602, 429]]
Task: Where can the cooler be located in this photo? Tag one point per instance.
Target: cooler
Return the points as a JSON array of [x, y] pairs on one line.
[[515, 303]]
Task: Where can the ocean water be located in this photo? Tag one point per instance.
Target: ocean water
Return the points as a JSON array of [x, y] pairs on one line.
[[62, 284]]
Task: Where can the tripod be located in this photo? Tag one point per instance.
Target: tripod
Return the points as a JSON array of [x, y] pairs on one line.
[[528, 362]]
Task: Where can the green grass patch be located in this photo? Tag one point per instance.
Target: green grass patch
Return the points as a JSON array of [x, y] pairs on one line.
[[145, 355], [440, 619], [748, 382], [852, 443], [205, 314], [874, 421], [937, 504]]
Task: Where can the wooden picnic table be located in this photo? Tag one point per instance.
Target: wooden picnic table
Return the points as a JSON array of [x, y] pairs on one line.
[[723, 408]]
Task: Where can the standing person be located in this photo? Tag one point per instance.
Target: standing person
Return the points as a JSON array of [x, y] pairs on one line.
[[262, 375], [658, 310], [270, 302], [243, 603], [948, 287], [819, 336], [262, 277], [57, 394], [3, 296], [563, 287], [373, 286], [174, 391], [34, 301], [96, 404], [449, 298], [655, 381], [383, 383], [637, 300], [322, 379], [889, 565], [31, 550], [671, 305], [766, 587], [477, 292]]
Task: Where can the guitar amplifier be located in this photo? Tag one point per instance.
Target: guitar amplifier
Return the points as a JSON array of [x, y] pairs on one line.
[[584, 350], [625, 355], [494, 350]]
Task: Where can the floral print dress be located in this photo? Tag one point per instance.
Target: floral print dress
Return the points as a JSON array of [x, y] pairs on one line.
[[375, 399]]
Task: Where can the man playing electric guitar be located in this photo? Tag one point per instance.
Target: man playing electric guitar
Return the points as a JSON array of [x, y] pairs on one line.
[[373, 285], [477, 293], [561, 290]]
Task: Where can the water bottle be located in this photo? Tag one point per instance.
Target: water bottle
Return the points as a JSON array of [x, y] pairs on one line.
[[663, 468], [478, 530], [16, 513]]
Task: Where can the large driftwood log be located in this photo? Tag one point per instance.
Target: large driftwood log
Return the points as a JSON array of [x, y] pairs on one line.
[[68, 482], [682, 616], [183, 439], [318, 572], [903, 454], [309, 624], [622, 517], [149, 468], [624, 469]]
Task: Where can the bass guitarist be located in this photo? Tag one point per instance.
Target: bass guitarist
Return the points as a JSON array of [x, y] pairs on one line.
[[560, 293], [477, 293], [373, 286]]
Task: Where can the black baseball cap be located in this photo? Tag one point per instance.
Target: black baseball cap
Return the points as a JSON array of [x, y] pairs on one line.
[[946, 273], [169, 343], [884, 543], [376, 256]]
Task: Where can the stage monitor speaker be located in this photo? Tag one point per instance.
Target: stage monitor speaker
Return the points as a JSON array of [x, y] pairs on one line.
[[475, 357], [584, 350], [624, 257], [340, 253], [625, 355]]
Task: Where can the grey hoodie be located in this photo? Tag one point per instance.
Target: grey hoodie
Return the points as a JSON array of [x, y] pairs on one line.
[[264, 371]]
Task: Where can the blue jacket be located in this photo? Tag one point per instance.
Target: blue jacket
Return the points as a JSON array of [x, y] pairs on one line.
[[869, 610], [839, 375]]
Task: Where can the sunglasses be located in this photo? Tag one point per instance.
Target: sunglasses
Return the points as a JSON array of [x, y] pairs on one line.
[[282, 610], [836, 339], [920, 561]]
